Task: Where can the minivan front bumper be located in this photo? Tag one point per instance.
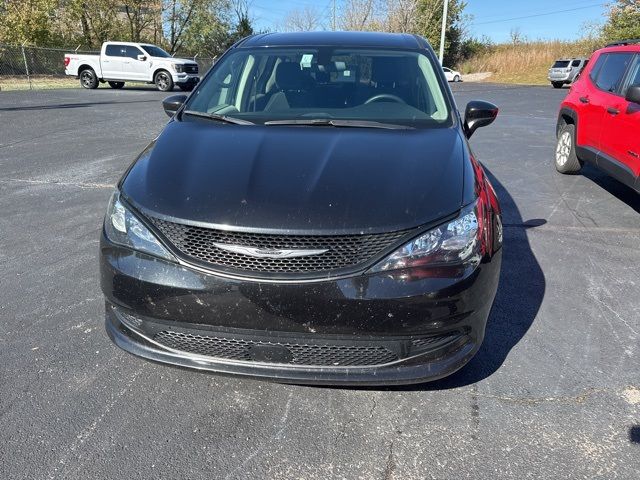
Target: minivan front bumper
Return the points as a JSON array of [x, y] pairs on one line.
[[392, 328]]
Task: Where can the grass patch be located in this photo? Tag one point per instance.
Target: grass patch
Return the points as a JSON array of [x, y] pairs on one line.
[[527, 62], [38, 82]]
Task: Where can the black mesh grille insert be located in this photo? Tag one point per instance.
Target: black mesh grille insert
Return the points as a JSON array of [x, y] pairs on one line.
[[343, 251], [191, 68], [299, 353]]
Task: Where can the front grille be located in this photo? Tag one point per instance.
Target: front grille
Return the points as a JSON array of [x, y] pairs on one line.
[[300, 353], [191, 68], [343, 251]]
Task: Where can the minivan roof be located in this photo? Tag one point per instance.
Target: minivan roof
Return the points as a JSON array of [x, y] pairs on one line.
[[341, 39]]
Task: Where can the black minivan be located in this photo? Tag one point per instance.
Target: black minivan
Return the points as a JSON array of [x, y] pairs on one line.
[[312, 213]]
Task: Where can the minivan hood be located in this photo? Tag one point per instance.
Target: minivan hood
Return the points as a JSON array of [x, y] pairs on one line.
[[299, 179]]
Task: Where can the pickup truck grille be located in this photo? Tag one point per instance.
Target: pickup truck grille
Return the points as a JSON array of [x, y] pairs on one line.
[[191, 68]]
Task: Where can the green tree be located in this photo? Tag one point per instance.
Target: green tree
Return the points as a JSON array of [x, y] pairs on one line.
[[197, 26], [27, 21], [142, 19], [623, 21], [429, 25], [92, 21]]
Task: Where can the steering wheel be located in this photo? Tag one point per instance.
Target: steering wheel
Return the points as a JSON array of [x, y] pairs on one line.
[[385, 96]]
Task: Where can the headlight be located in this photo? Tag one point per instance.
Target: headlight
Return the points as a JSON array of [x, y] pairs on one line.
[[122, 227], [178, 67], [454, 243]]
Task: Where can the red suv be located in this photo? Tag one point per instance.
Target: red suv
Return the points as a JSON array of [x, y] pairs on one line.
[[599, 121]]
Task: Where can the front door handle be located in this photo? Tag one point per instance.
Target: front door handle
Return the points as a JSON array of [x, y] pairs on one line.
[[584, 99], [613, 110]]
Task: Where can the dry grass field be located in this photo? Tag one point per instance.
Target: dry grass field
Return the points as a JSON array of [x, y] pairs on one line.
[[38, 82], [527, 62]]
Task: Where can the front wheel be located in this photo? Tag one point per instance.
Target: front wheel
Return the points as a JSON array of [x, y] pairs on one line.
[[163, 81], [116, 85], [456, 79], [88, 79], [567, 160], [557, 84]]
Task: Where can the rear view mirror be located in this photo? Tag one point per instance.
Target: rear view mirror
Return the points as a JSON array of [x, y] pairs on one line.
[[633, 94], [173, 103], [478, 114], [142, 58]]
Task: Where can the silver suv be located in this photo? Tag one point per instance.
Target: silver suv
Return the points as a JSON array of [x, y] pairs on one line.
[[565, 71]]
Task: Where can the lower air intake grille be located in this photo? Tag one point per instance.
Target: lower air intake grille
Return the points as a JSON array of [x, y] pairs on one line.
[[342, 251], [294, 353]]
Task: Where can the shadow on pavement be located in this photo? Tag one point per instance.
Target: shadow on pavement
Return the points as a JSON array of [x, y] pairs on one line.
[[634, 434], [520, 294], [619, 190], [69, 105]]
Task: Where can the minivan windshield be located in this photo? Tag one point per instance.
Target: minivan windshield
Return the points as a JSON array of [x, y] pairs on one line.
[[315, 86]]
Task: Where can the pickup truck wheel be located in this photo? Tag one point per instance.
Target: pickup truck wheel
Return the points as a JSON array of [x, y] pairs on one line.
[[557, 84], [88, 79], [163, 81], [566, 159], [116, 85]]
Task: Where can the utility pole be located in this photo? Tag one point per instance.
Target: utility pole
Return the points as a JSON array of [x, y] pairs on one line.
[[333, 22], [444, 29]]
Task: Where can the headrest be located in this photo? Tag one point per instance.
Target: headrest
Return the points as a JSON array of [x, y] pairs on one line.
[[289, 76]]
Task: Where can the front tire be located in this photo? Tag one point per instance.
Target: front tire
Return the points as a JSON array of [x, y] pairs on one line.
[[116, 85], [163, 81], [557, 84], [88, 79], [567, 161], [456, 79]]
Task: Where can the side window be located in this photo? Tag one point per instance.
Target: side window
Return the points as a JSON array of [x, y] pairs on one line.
[[634, 75], [596, 68], [575, 63], [113, 51], [133, 52], [612, 71]]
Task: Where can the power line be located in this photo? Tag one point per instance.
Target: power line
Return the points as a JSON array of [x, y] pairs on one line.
[[539, 14]]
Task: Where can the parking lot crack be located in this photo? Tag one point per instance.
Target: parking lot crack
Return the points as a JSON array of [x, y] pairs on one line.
[[390, 465], [532, 401]]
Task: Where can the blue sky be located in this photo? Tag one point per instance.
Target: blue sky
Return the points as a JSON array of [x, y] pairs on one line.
[[546, 19]]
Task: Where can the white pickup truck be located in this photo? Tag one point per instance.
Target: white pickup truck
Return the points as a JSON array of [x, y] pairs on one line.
[[121, 62]]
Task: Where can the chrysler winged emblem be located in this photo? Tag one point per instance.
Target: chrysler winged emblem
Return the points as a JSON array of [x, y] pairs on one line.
[[268, 252]]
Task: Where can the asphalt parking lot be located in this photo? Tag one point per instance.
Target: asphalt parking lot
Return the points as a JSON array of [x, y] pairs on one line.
[[553, 393]]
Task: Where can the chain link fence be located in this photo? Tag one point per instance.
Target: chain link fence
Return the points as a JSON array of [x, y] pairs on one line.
[[33, 68]]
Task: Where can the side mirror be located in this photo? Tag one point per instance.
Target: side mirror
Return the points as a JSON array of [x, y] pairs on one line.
[[633, 94], [478, 114], [142, 58], [173, 103]]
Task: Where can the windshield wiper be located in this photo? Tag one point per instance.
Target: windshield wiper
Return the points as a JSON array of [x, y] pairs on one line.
[[329, 122], [217, 117]]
